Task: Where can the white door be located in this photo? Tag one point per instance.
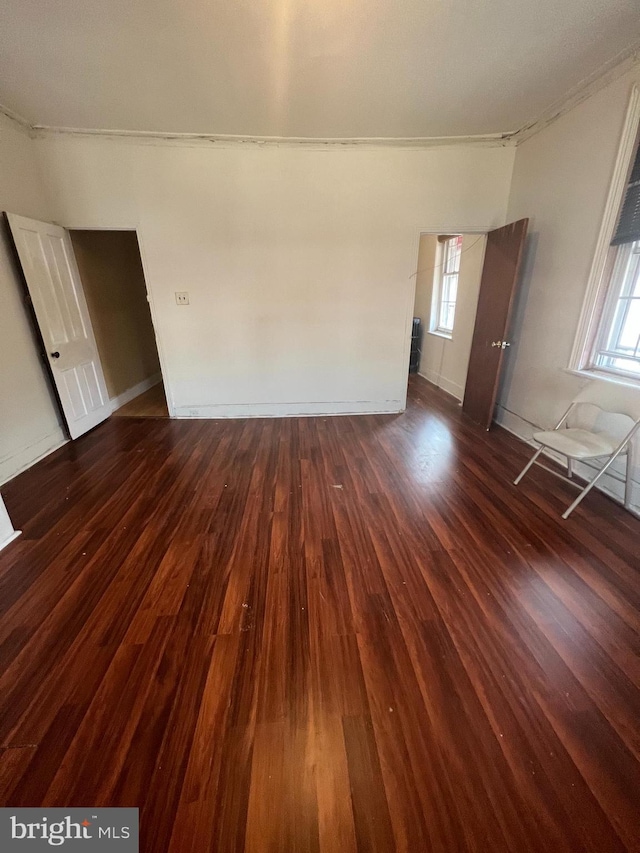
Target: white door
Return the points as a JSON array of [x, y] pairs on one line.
[[51, 273]]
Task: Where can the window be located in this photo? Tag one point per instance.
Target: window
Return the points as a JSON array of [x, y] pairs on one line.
[[608, 338], [446, 284], [618, 344]]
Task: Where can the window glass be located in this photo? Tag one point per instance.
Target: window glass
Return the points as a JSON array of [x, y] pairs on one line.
[[446, 284], [618, 343]]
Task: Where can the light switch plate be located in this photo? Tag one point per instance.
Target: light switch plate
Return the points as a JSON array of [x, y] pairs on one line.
[[182, 297]]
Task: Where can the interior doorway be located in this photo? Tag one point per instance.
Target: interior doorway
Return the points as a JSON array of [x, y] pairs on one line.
[[465, 291], [113, 281], [447, 287]]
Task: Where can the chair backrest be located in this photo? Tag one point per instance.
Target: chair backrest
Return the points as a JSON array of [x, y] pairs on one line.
[[612, 397]]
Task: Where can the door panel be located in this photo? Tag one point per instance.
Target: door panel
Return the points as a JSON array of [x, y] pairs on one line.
[[59, 305], [490, 336]]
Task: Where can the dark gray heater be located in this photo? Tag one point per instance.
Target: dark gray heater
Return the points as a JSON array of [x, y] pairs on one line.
[[416, 342]]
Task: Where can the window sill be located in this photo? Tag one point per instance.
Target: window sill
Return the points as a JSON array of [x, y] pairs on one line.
[[437, 334], [594, 373]]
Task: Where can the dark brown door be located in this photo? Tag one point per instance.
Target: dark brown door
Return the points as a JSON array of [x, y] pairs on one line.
[[490, 335]]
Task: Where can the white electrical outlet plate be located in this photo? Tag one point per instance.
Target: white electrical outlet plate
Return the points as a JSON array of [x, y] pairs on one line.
[[182, 297]]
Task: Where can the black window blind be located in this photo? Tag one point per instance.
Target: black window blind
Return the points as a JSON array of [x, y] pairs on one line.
[[628, 230]]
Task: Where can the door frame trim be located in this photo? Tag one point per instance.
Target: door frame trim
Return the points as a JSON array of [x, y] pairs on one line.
[[443, 229]]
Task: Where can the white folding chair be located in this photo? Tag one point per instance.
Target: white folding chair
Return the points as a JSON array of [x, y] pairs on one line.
[[583, 444]]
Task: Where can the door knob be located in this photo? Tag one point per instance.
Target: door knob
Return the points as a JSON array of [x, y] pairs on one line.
[[501, 344], [55, 354]]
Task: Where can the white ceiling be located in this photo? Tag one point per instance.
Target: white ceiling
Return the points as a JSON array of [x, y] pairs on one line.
[[304, 68]]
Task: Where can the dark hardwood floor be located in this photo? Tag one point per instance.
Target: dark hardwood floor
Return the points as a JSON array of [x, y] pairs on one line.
[[322, 634], [149, 404]]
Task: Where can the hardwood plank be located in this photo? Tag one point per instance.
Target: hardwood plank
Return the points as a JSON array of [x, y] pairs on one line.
[[322, 634], [150, 404]]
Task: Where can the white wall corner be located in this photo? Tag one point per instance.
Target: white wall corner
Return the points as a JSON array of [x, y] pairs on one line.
[[11, 466], [430, 375], [599, 79], [18, 120], [7, 532], [455, 389]]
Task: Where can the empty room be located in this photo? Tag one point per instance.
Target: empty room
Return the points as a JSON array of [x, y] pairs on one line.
[[320, 426]]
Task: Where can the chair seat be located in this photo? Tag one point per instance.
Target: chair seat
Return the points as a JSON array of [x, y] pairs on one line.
[[577, 443]]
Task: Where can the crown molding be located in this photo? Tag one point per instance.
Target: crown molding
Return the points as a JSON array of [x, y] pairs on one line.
[[15, 117], [626, 60], [613, 69], [489, 140]]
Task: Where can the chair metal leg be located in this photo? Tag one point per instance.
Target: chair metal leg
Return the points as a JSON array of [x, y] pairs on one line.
[[628, 483], [588, 487], [569, 467], [527, 466]]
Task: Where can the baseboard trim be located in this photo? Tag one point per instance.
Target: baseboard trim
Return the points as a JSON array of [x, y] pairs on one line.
[[11, 466], [15, 464], [13, 536], [452, 388], [135, 391], [430, 376], [290, 410]]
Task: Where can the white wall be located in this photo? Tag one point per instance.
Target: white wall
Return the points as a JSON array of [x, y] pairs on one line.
[[561, 180], [427, 249], [445, 361], [29, 425], [298, 260]]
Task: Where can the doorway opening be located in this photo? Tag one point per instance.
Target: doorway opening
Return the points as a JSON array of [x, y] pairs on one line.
[[465, 288], [447, 288], [113, 282]]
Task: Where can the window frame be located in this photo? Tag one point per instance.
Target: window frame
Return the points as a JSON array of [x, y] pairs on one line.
[[447, 275], [599, 293], [624, 287]]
